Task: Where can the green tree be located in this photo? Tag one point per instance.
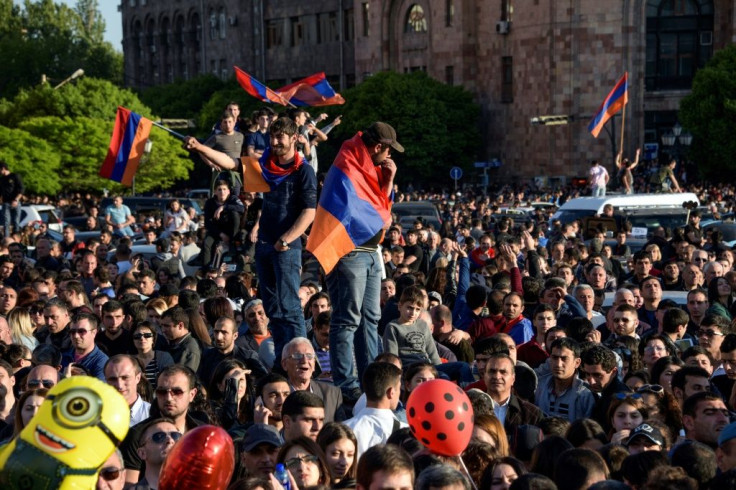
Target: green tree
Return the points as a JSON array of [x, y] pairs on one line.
[[436, 123], [46, 38], [709, 113], [183, 98], [75, 123], [32, 158]]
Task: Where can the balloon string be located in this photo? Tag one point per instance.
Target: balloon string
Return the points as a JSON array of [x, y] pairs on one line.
[[462, 463]]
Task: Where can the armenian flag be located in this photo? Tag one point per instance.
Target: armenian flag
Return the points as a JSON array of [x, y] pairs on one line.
[[257, 89], [126, 146], [312, 91], [353, 206], [614, 102]]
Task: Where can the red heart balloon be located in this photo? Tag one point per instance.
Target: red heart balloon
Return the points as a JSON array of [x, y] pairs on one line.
[[203, 459], [440, 416]]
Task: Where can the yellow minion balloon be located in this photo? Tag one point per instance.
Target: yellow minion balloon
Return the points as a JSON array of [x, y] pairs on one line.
[[76, 428]]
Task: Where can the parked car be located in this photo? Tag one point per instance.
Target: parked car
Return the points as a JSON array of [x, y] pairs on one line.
[[410, 211], [727, 228], [39, 213], [151, 206]]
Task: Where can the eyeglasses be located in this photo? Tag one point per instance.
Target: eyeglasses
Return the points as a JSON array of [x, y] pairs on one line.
[[299, 356], [160, 437], [294, 463], [655, 348], [624, 395], [655, 389], [78, 331], [708, 333], [36, 383], [175, 392], [140, 336], [111, 473]]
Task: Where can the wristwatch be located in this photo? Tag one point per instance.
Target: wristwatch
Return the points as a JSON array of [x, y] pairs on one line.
[[284, 244]]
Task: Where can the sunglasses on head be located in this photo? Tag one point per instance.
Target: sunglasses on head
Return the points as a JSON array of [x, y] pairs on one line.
[[160, 437], [656, 389], [624, 395], [110, 474]]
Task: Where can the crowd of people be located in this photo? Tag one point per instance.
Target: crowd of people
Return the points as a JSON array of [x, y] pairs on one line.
[[303, 370]]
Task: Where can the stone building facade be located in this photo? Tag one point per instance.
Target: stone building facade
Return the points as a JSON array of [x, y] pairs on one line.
[[521, 58]]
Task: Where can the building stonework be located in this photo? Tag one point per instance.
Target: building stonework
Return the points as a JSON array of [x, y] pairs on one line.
[[520, 59]]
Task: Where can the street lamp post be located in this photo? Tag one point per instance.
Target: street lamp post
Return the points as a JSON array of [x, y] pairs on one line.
[[676, 141], [78, 73]]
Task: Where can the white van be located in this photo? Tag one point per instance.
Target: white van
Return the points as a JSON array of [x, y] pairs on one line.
[[583, 207], [37, 213]]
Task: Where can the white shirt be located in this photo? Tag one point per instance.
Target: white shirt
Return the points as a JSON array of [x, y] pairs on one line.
[[139, 411], [372, 426]]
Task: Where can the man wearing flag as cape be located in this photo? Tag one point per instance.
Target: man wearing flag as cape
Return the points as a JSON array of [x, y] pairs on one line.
[[353, 212]]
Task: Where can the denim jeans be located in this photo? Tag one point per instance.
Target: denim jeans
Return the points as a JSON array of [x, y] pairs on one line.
[[599, 191], [354, 286], [279, 279], [12, 218]]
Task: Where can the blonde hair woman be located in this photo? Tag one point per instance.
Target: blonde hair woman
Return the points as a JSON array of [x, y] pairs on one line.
[[21, 328]]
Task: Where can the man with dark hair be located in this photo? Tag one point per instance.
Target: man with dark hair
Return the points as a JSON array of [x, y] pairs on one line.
[[578, 469], [651, 291], [56, 332], [258, 450], [712, 331], [115, 338], [385, 467], [272, 390], [698, 460], [600, 371], [175, 391], [687, 381], [224, 333], [11, 191], [7, 403], [674, 324], [563, 393], [512, 411], [257, 142], [181, 345], [303, 414], [697, 305], [288, 210], [124, 373], [515, 323], [376, 422], [85, 352], [704, 416], [441, 477], [157, 438], [725, 382]]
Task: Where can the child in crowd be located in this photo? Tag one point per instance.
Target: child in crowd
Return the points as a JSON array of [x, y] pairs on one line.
[[409, 337]]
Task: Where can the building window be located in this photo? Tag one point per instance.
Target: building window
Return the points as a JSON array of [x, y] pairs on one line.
[[449, 13], [507, 80], [366, 20], [223, 24], [327, 30], [213, 24], [679, 41], [349, 25], [450, 75], [506, 10], [297, 32], [415, 20], [274, 33]]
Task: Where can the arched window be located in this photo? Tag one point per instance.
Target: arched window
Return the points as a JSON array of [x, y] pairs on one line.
[[415, 19], [222, 18], [679, 41], [213, 24]]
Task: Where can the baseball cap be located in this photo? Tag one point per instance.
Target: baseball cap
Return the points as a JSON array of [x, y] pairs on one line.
[[728, 433], [646, 430], [261, 434], [383, 133]]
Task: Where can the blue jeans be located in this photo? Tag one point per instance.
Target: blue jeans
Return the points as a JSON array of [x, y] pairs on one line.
[[12, 218], [599, 191], [123, 232], [279, 279], [354, 286]]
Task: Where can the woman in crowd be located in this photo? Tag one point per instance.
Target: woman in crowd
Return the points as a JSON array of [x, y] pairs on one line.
[[153, 361], [502, 473], [625, 412], [489, 429], [306, 462], [719, 296], [416, 374], [339, 445], [663, 370], [21, 327], [229, 393], [175, 219]]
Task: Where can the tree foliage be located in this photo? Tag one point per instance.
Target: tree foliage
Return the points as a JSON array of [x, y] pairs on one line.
[[46, 38], [32, 158], [181, 99], [75, 123], [436, 123], [709, 113]]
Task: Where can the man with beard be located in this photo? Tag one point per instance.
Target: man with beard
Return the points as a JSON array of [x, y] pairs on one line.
[[288, 210], [271, 390], [175, 391], [224, 347]]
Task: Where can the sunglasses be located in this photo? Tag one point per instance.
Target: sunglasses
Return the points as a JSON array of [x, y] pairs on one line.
[[36, 383], [160, 437], [294, 463], [139, 336], [78, 331], [175, 392], [656, 389], [112, 473]]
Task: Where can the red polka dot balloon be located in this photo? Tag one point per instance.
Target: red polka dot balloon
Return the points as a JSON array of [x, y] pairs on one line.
[[440, 417]]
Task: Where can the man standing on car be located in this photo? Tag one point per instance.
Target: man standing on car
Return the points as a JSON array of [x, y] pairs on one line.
[[11, 190], [597, 179]]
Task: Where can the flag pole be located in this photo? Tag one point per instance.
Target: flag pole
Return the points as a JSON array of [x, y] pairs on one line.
[[623, 125], [170, 131]]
